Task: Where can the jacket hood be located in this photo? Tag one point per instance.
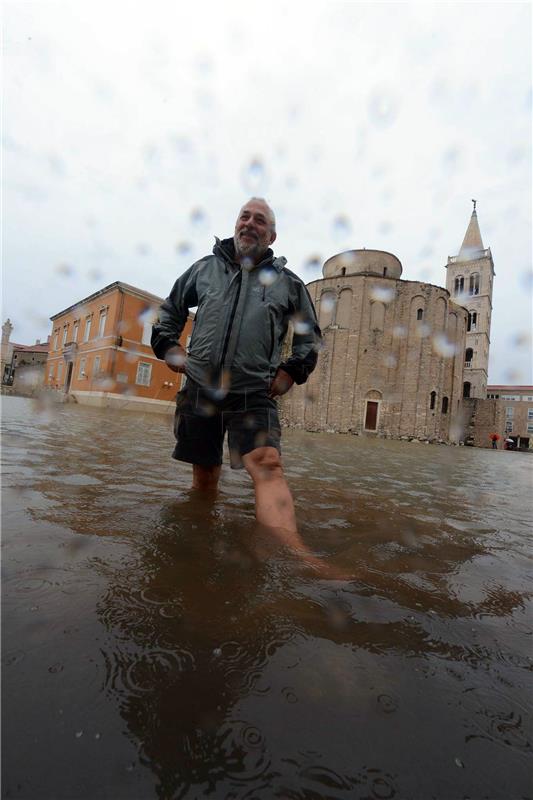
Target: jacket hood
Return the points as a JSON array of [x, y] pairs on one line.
[[225, 249]]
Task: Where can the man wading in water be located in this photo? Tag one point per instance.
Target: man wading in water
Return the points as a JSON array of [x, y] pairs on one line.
[[245, 298]]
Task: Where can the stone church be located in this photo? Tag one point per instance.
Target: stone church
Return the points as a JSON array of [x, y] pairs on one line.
[[398, 356]]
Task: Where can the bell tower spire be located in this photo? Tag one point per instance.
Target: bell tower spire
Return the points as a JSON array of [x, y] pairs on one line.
[[469, 280]]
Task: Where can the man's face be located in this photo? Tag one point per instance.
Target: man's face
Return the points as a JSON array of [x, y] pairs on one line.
[[253, 231]]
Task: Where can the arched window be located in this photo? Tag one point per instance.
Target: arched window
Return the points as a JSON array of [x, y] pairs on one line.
[[466, 388], [432, 399], [344, 309], [469, 354], [420, 314], [384, 272], [459, 285], [474, 283], [326, 309], [444, 405], [472, 321], [343, 271], [377, 316]]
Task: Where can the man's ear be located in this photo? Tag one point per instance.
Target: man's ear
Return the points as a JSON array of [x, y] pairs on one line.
[[272, 237]]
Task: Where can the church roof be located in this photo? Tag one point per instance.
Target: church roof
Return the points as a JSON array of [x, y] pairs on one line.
[[472, 241]]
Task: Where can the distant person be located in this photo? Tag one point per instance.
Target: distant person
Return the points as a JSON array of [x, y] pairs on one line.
[[245, 298]]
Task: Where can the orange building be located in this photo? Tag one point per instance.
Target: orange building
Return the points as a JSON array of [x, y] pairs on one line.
[[100, 354]]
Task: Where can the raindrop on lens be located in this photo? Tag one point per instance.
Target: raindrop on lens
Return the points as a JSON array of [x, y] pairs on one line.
[[301, 326], [341, 226], [443, 346], [313, 262], [183, 248], [399, 332], [327, 303], [383, 294], [198, 217], [382, 108], [267, 276], [423, 330], [390, 361], [95, 274], [254, 176], [65, 270]]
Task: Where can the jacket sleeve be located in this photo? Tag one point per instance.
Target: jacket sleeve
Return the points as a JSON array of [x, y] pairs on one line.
[[173, 313], [307, 337]]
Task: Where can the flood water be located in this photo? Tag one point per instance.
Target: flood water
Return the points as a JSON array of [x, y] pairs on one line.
[[156, 645]]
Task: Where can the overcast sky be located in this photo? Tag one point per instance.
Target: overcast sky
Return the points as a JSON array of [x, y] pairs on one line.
[[133, 132]]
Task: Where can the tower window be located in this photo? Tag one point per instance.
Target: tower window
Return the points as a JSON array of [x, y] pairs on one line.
[[384, 272], [467, 386], [469, 354], [444, 405], [459, 285], [472, 321], [420, 314], [474, 283], [343, 271], [432, 399]]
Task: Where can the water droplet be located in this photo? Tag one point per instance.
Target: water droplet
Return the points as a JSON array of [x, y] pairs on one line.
[[399, 332], [342, 226], [443, 346], [143, 249], [382, 107], [313, 261], [383, 294], [95, 274], [79, 734], [450, 158], [177, 359], [65, 270], [327, 302], [198, 217], [390, 361], [423, 330], [458, 762], [55, 668], [385, 227], [97, 735], [217, 652], [254, 176], [267, 276], [148, 314], [521, 340], [183, 248], [247, 263]]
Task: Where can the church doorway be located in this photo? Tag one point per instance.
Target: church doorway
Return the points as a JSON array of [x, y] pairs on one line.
[[371, 415]]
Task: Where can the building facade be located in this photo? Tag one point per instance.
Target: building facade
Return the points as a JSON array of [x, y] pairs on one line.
[[100, 351], [398, 356], [507, 412]]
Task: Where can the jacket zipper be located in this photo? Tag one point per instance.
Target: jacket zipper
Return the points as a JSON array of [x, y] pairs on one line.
[[230, 324]]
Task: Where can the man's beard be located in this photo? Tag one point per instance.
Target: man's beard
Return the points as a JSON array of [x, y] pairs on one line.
[[249, 249]]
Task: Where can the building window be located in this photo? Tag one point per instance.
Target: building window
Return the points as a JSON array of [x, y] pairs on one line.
[[467, 386], [51, 373], [101, 323], [96, 366], [75, 331], [444, 405], [509, 411], [65, 334], [474, 283], [144, 372], [384, 272], [81, 373], [432, 400], [343, 271], [87, 329], [420, 314], [59, 371], [122, 377], [459, 285], [509, 426], [530, 428], [56, 339], [493, 396], [472, 321], [530, 413], [469, 353]]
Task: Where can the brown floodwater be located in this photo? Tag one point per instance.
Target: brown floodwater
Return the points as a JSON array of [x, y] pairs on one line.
[[156, 645]]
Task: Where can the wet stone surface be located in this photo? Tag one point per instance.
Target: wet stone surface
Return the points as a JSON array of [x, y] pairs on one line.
[[155, 646]]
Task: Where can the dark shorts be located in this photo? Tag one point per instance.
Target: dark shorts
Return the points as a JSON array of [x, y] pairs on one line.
[[201, 422]]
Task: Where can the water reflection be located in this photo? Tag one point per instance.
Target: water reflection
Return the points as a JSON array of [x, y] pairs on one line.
[[235, 671]]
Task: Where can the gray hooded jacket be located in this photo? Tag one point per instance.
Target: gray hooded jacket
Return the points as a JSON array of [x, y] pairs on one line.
[[241, 321]]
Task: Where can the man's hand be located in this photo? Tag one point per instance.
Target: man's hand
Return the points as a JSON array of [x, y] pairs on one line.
[[176, 358], [281, 384]]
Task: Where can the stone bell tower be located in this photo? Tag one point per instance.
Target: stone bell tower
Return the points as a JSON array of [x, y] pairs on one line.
[[469, 280]]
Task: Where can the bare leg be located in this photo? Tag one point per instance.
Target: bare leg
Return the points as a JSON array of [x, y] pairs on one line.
[[205, 478]]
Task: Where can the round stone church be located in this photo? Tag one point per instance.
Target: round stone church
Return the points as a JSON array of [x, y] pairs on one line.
[[398, 356]]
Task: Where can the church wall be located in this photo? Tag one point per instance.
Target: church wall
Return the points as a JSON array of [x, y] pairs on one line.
[[376, 350]]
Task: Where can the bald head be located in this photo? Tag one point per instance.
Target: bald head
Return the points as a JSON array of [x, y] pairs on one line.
[[255, 229]]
